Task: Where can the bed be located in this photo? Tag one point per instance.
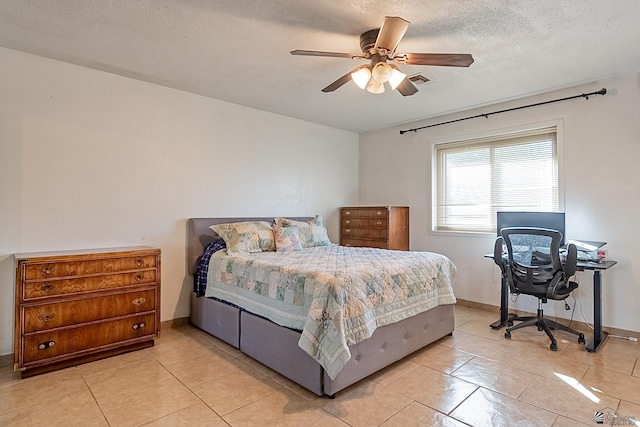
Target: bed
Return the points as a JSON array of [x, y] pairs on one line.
[[279, 347]]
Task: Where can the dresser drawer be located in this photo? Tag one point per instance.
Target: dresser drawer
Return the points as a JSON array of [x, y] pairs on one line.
[[56, 287], [380, 244], [49, 316], [73, 341], [47, 270], [367, 233], [364, 213], [364, 223]]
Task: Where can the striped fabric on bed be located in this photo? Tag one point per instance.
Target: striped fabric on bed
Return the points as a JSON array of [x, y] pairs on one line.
[[202, 268]]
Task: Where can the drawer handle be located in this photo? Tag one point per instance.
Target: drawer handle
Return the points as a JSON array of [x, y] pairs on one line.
[[138, 278], [378, 213], [347, 213], [347, 222], [139, 263], [379, 223], [46, 345], [47, 287], [47, 317], [48, 270], [137, 326], [138, 301], [347, 231]]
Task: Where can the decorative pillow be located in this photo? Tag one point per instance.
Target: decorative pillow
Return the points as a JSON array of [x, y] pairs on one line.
[[246, 237], [312, 233], [287, 239]]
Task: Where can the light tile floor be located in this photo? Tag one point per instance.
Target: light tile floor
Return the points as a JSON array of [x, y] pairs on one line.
[[474, 377]]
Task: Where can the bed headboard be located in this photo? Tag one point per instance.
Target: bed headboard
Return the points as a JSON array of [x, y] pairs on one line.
[[199, 235]]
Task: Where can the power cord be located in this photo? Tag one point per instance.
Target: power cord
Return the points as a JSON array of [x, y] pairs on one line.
[[566, 307], [629, 338], [575, 295]]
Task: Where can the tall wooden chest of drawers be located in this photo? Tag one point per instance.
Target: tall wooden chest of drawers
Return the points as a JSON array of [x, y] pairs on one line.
[[77, 306], [385, 227]]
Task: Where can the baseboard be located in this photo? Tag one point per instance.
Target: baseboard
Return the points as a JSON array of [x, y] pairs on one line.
[[6, 360], [478, 305], [575, 323], [174, 323]]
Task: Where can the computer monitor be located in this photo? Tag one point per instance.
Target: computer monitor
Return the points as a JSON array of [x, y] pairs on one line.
[[550, 220]]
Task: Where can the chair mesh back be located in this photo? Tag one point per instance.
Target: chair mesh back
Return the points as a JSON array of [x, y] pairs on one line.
[[533, 256], [531, 251]]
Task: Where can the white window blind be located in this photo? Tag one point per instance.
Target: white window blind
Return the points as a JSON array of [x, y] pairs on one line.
[[476, 178]]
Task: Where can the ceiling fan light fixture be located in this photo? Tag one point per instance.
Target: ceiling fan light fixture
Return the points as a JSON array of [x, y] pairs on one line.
[[361, 77], [381, 72], [396, 78], [375, 86]]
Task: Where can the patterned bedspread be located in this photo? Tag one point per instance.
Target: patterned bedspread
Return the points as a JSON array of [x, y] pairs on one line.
[[337, 296]]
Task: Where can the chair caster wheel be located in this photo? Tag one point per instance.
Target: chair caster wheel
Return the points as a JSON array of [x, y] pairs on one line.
[[581, 339], [553, 346], [507, 335]]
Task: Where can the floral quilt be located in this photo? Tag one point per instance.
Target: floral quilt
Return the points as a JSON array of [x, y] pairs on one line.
[[337, 296]]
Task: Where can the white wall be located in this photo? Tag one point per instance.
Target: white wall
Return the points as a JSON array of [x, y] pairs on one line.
[[601, 143], [90, 159]]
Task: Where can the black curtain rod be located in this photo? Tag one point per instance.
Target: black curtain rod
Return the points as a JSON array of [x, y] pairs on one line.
[[485, 115]]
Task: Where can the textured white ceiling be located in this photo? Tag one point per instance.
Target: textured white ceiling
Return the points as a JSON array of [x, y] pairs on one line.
[[238, 50]]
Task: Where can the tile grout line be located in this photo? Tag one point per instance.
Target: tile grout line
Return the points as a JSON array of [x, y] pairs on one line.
[[84, 380], [392, 415], [190, 391]]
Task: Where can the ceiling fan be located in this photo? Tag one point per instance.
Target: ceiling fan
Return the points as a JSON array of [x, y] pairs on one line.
[[379, 46]]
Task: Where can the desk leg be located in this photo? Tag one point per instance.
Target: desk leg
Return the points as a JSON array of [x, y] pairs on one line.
[[505, 316], [599, 336]]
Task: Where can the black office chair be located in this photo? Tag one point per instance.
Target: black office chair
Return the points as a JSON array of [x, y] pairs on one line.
[[533, 267]]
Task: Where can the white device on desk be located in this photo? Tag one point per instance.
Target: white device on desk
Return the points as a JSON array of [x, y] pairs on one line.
[[589, 250]]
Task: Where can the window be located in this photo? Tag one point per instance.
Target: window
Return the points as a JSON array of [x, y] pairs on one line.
[[476, 178]]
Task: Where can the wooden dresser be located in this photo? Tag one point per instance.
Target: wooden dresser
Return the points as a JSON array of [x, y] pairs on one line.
[[385, 227], [77, 306]]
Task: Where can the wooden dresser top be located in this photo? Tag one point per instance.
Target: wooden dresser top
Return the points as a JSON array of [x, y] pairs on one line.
[[80, 252]]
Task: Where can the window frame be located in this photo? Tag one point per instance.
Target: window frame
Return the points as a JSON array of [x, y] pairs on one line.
[[497, 133]]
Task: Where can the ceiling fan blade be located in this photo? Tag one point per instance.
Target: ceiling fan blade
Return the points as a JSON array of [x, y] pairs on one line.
[[406, 88], [341, 81], [439, 59], [391, 32], [320, 53]]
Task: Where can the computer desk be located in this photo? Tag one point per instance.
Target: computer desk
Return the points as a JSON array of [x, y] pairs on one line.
[[599, 336]]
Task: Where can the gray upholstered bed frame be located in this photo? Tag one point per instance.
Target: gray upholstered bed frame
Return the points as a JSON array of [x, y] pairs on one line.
[[277, 347]]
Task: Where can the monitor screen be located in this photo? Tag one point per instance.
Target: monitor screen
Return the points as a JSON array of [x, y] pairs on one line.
[[551, 220]]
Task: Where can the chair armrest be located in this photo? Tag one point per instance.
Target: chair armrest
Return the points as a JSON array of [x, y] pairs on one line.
[[571, 263]]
